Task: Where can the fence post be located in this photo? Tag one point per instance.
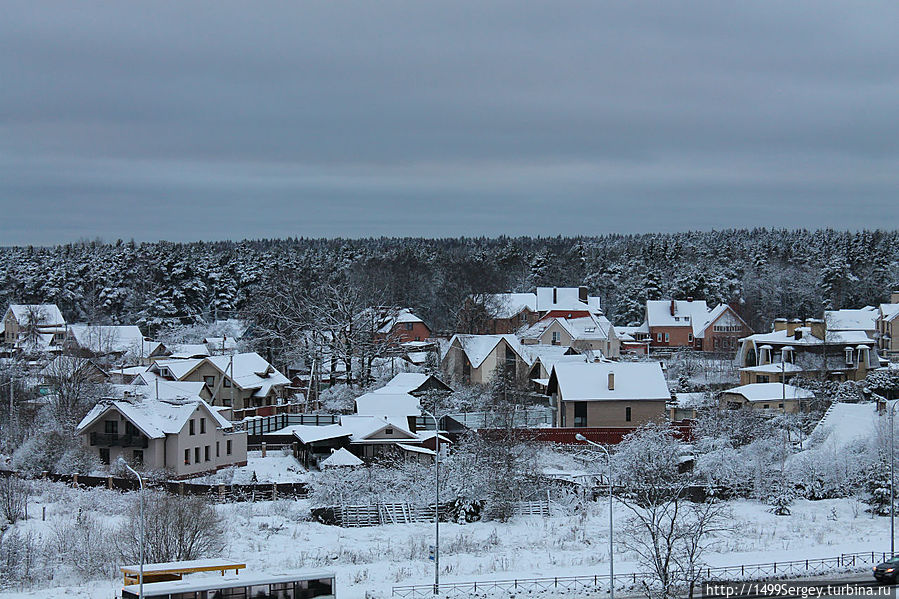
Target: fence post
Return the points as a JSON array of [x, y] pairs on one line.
[[181, 488], [109, 482], [75, 480], [274, 491], [263, 449], [775, 567]]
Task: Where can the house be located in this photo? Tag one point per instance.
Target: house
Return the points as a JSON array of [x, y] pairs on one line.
[[110, 343], [544, 357], [245, 382], [691, 324], [887, 326], [686, 406], [401, 326], [366, 436], [633, 340], [805, 348], [33, 325], [179, 432], [766, 396], [581, 330], [564, 300], [474, 359], [72, 370], [397, 406], [608, 394]]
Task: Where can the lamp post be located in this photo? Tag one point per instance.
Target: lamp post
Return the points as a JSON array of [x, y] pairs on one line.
[[140, 481], [584, 439], [892, 480], [436, 501]]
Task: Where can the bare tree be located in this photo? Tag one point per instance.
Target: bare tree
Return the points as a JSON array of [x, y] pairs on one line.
[[14, 495], [177, 528], [76, 386]]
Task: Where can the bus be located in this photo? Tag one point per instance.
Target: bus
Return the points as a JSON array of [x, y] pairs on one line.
[[299, 584]]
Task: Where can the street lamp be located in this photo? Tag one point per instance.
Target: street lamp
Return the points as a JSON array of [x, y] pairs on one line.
[[140, 481], [436, 500], [584, 439], [892, 481]]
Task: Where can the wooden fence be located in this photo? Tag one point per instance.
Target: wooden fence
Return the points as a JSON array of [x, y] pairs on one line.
[[354, 516], [219, 493]]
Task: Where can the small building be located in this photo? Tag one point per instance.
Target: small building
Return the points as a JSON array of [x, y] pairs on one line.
[[767, 396], [608, 394], [401, 326], [179, 431], [580, 330], [887, 326], [109, 343]]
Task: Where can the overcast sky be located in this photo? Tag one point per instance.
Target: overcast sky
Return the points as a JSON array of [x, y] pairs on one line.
[[216, 120]]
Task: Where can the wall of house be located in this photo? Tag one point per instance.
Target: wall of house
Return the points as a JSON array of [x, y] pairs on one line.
[[10, 328], [418, 332], [153, 453], [502, 326], [728, 401], [177, 444], [677, 336], [223, 397], [614, 413]]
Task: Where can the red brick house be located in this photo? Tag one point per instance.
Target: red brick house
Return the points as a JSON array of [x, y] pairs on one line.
[[403, 326], [690, 323]]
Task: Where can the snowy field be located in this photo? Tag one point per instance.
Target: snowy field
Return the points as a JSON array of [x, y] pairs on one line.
[[368, 561]]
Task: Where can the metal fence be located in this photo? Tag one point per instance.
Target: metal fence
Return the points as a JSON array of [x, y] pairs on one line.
[[797, 568], [260, 425]]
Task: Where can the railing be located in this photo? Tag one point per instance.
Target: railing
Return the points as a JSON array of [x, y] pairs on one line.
[[797, 568], [260, 425], [114, 440]]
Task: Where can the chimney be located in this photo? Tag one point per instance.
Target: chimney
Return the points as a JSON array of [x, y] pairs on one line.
[[689, 298], [555, 295], [672, 307], [611, 381], [817, 327], [582, 294], [793, 325], [780, 324]]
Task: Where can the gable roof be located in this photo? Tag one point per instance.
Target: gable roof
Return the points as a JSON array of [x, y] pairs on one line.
[[478, 347], [341, 457], [580, 328], [308, 433], [590, 382], [889, 311], [155, 418], [362, 427], [49, 314], [686, 313], [102, 339], [508, 305], [411, 382], [566, 298]]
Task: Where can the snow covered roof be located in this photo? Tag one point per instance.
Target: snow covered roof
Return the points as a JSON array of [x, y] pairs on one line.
[[220, 343], [178, 368], [889, 311], [863, 319], [509, 304], [566, 298], [580, 328], [807, 339], [250, 371], [590, 382], [188, 350], [68, 365], [404, 315], [714, 315], [202, 582], [310, 434], [774, 367], [693, 400], [105, 339], [341, 457], [416, 449], [393, 405], [409, 382], [361, 427], [686, 313], [155, 418], [478, 347], [770, 392], [48, 315]]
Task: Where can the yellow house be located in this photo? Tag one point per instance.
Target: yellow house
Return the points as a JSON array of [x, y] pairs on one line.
[[766, 396], [474, 359]]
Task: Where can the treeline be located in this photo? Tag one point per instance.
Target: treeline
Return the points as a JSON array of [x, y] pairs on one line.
[[766, 272]]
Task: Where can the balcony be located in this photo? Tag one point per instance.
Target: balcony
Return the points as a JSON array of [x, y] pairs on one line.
[[113, 440]]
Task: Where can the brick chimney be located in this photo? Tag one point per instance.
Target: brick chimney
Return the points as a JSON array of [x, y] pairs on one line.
[[672, 307], [555, 295], [780, 324], [582, 294], [611, 381]]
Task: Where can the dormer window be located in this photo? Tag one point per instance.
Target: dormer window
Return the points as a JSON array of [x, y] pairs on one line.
[[388, 431]]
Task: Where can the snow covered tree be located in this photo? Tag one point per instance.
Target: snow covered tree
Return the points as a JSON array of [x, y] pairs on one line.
[[877, 487]]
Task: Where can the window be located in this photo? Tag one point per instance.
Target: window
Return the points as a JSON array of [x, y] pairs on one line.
[[206, 454], [130, 429], [138, 457], [766, 406], [762, 378], [202, 426], [627, 414], [111, 427], [848, 355], [226, 382], [677, 319], [104, 455], [408, 326], [186, 457], [210, 381], [191, 427], [780, 405], [217, 449], [690, 337], [388, 431], [196, 455], [580, 413], [666, 338], [557, 337], [228, 448], [659, 337]]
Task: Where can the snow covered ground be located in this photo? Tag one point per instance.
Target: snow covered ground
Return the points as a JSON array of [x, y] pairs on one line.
[[369, 561]]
